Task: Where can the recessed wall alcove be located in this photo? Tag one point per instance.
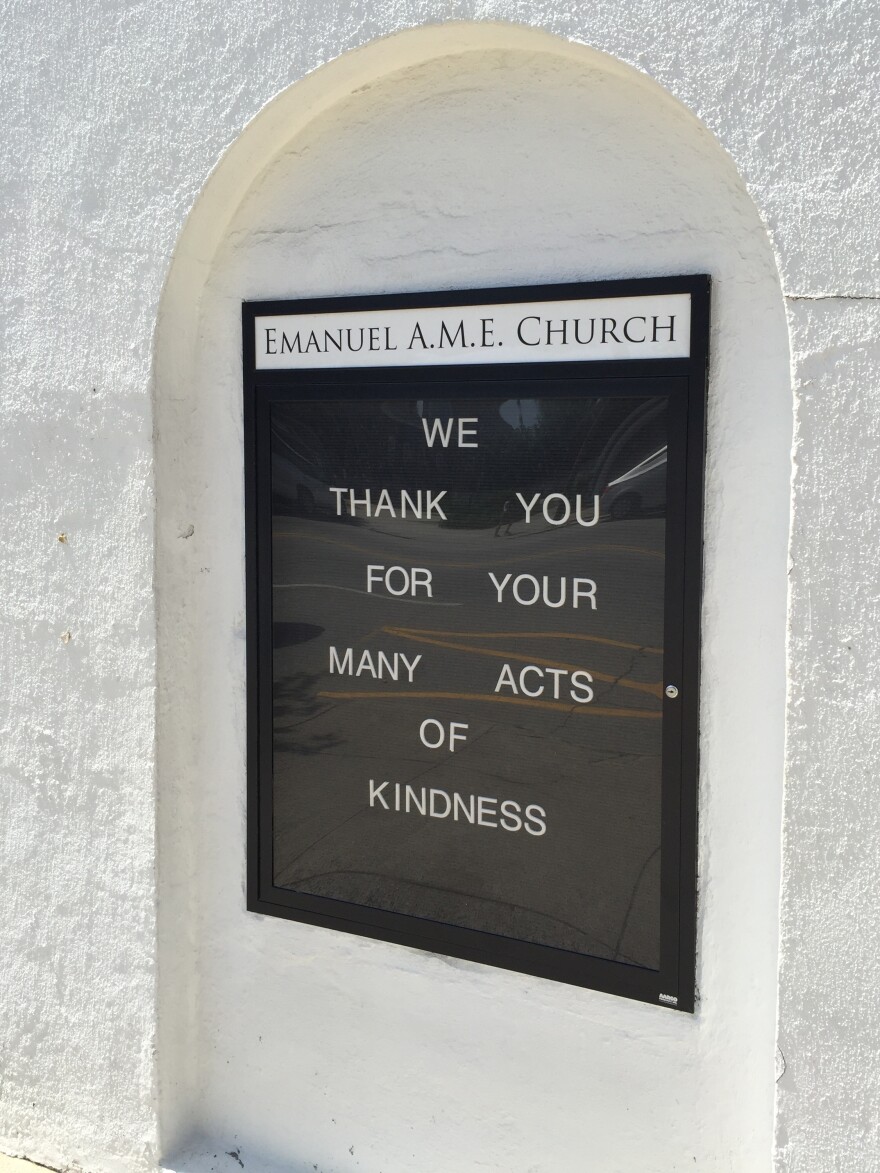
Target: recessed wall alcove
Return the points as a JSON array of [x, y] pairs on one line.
[[450, 157]]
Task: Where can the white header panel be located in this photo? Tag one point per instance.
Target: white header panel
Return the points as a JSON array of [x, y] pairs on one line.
[[656, 326]]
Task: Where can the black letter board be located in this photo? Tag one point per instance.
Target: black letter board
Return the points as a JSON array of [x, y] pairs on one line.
[[473, 573]]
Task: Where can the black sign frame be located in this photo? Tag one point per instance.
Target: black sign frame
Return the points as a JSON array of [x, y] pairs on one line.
[[673, 985]]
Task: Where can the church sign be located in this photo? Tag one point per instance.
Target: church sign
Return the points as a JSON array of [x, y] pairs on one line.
[[473, 563]]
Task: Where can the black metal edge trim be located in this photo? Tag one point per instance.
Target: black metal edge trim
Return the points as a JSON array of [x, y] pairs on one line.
[[543, 961], [696, 366]]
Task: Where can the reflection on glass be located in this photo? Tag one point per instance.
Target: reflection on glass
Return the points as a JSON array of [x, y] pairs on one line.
[[502, 602]]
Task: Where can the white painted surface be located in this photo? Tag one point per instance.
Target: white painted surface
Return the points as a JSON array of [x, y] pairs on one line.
[[114, 114], [310, 1044], [829, 1010], [17, 1165]]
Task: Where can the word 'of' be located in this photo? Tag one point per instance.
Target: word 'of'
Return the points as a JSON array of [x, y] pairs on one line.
[[433, 733], [475, 809]]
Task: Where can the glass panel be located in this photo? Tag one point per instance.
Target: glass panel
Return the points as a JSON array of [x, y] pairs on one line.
[[468, 661]]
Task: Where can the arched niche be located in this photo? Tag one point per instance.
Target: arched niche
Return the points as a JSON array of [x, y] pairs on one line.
[[460, 156]]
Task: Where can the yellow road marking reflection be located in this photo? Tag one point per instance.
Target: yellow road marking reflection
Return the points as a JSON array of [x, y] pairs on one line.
[[595, 639], [552, 706], [402, 632], [525, 556]]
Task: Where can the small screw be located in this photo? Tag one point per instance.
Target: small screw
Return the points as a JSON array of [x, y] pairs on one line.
[[671, 691]]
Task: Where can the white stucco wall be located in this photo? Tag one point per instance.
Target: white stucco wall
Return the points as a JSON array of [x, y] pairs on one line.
[[829, 1018], [308, 1043], [114, 114]]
